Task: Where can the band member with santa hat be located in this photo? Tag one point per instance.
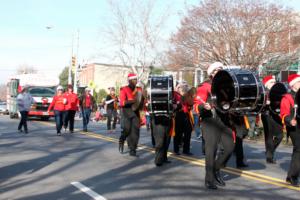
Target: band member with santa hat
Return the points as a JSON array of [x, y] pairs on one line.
[[290, 118], [271, 122], [130, 118]]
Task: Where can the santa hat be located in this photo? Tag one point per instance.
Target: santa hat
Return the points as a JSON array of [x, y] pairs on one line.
[[132, 76], [268, 79], [214, 66], [293, 78]]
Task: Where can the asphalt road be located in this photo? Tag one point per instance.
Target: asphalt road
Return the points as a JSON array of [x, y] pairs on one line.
[[41, 165]]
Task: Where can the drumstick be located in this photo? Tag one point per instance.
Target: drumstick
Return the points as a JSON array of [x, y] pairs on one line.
[[295, 110]]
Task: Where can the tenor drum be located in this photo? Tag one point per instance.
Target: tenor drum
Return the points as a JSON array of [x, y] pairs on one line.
[[238, 90], [160, 94]]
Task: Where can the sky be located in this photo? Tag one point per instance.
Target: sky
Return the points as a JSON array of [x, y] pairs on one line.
[[26, 40]]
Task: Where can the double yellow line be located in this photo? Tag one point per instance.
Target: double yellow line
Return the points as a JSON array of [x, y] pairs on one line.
[[201, 162]]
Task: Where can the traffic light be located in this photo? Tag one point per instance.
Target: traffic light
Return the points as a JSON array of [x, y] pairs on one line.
[[73, 61]]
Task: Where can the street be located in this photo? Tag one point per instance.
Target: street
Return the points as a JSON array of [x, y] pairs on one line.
[[79, 166]]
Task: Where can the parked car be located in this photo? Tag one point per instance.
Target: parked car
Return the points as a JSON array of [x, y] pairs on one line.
[[3, 108]]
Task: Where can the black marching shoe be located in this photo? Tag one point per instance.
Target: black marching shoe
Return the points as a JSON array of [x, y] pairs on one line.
[[133, 153], [292, 181], [242, 165], [219, 179], [210, 185], [59, 133], [271, 161], [188, 153]]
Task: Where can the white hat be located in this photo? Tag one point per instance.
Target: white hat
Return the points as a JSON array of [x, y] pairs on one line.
[[59, 88], [87, 89], [213, 67]]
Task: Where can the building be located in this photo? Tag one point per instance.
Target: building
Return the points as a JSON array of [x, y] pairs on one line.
[[103, 76]]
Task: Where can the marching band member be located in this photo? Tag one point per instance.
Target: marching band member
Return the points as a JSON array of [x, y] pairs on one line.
[[288, 113], [184, 122], [272, 123], [215, 130], [130, 119], [111, 102]]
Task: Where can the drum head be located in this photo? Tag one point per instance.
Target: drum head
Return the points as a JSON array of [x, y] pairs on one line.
[[223, 90], [277, 92]]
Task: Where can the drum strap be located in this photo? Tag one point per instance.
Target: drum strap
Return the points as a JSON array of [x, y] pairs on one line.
[[172, 129]]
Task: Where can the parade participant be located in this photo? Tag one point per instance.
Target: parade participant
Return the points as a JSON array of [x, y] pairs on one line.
[[215, 130], [111, 102], [272, 123], [71, 108], [180, 118], [130, 116], [87, 105], [24, 101], [290, 118], [59, 106]]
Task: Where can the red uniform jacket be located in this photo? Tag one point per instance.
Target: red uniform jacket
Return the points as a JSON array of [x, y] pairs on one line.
[[203, 92], [287, 109], [72, 101], [127, 95], [58, 103]]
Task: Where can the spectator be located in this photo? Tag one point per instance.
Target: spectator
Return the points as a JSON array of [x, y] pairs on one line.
[[87, 105], [24, 101]]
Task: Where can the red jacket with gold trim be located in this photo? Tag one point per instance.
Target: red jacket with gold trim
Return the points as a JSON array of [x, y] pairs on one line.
[[127, 96], [287, 109]]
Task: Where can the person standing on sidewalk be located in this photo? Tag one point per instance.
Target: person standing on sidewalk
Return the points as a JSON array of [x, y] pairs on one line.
[[111, 102], [71, 108], [24, 101], [87, 105], [59, 106]]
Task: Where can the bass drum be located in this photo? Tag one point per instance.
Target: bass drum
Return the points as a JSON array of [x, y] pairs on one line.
[[238, 91], [276, 93], [160, 95]]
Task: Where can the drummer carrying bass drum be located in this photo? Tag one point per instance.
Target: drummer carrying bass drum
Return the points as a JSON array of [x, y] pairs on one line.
[[290, 117], [271, 122], [130, 117], [214, 131]]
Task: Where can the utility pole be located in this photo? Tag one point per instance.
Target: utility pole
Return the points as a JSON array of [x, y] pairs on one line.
[[77, 65], [71, 64]]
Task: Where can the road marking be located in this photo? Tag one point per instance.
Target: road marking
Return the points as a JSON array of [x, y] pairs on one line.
[[201, 162], [88, 191]]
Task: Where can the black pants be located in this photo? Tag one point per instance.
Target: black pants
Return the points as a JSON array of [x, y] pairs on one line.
[[69, 117], [215, 132], [59, 117], [239, 151], [111, 114], [161, 127], [23, 121], [183, 131], [294, 170], [130, 125], [273, 134]]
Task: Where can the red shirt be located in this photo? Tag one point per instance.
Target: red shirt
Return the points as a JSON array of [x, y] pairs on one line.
[[126, 94], [58, 103], [88, 101], [202, 95], [72, 101], [286, 107]]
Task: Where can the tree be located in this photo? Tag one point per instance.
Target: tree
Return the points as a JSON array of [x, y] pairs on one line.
[[26, 69], [234, 32], [63, 77], [135, 33], [2, 92]]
